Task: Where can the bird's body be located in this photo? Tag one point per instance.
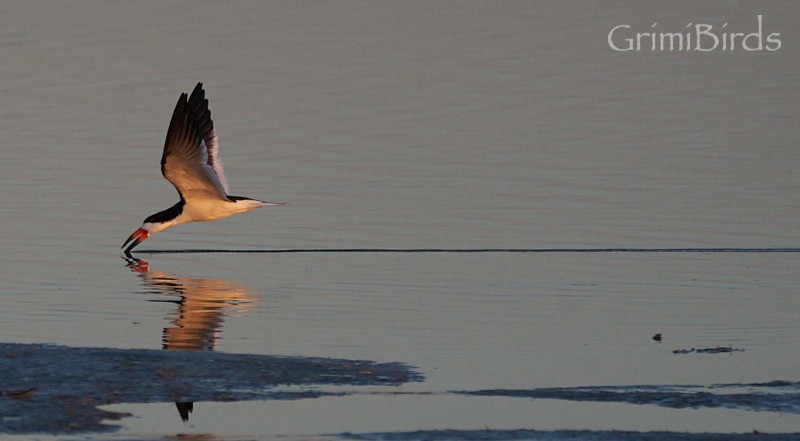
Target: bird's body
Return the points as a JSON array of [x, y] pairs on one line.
[[191, 163]]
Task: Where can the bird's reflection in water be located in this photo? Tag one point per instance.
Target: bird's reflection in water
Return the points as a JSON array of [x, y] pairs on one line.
[[202, 307]]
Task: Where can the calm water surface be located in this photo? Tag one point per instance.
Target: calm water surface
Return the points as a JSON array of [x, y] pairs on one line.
[[446, 125]]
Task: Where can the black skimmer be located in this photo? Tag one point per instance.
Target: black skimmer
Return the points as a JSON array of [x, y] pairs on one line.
[[191, 163]]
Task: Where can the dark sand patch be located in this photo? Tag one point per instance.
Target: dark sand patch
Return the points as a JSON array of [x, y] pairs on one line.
[[774, 396], [564, 435], [56, 389]]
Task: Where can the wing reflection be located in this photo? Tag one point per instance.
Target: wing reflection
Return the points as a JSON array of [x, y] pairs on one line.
[[202, 307]]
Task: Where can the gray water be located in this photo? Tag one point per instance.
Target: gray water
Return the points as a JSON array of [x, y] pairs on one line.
[[426, 125]]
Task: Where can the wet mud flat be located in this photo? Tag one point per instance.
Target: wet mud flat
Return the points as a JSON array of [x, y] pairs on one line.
[[564, 435], [773, 396], [57, 389]]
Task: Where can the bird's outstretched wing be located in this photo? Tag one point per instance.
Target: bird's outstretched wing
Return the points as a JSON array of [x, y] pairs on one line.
[[191, 154]]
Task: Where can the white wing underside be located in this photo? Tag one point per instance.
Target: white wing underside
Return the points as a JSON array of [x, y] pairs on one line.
[[216, 162], [194, 178]]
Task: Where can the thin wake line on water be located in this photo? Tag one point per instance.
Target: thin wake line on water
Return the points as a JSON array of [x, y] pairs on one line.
[[473, 250]]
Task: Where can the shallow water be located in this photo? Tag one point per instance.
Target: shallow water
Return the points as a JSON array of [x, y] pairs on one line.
[[444, 126]]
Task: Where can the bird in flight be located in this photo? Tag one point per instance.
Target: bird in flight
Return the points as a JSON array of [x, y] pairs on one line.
[[191, 163]]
